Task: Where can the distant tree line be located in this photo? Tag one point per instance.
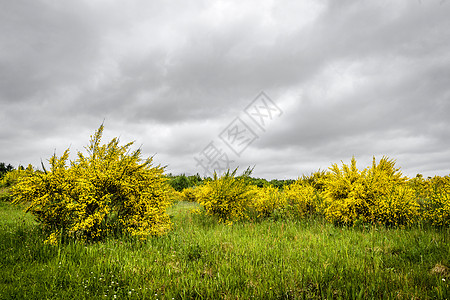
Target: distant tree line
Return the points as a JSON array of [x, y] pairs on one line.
[[183, 181], [5, 168]]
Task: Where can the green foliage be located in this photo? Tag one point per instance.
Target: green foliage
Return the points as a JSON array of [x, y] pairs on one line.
[[227, 196], [109, 191], [181, 182], [4, 168], [5, 194], [259, 182]]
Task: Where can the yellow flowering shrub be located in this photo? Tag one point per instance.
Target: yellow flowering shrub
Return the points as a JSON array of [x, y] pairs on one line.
[[175, 196], [435, 200], [368, 195], [11, 178], [316, 180], [190, 194], [341, 186], [397, 207], [418, 184], [226, 197], [299, 199], [110, 191], [266, 200]]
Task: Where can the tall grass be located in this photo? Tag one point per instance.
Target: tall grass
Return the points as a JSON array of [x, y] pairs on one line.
[[306, 259]]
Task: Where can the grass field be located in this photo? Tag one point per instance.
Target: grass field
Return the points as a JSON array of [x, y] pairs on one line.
[[306, 259]]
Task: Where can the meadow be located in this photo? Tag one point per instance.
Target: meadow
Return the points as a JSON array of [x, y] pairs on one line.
[[200, 258], [111, 225]]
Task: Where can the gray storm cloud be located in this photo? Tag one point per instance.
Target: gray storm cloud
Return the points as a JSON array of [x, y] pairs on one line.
[[352, 78]]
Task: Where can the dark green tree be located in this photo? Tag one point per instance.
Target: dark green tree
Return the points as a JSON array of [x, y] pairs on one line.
[[5, 169]]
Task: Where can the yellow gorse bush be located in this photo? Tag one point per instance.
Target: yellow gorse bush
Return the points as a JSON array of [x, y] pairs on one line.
[[190, 194], [397, 207], [226, 197], [434, 196], [376, 194], [110, 191], [299, 199], [340, 194], [266, 200], [11, 178]]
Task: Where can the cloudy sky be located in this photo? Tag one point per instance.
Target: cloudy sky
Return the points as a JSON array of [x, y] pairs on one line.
[[184, 80]]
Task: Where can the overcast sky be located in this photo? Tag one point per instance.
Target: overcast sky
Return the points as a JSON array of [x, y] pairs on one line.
[[289, 87]]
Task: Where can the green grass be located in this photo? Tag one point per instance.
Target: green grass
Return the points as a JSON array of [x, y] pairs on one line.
[[307, 259]]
